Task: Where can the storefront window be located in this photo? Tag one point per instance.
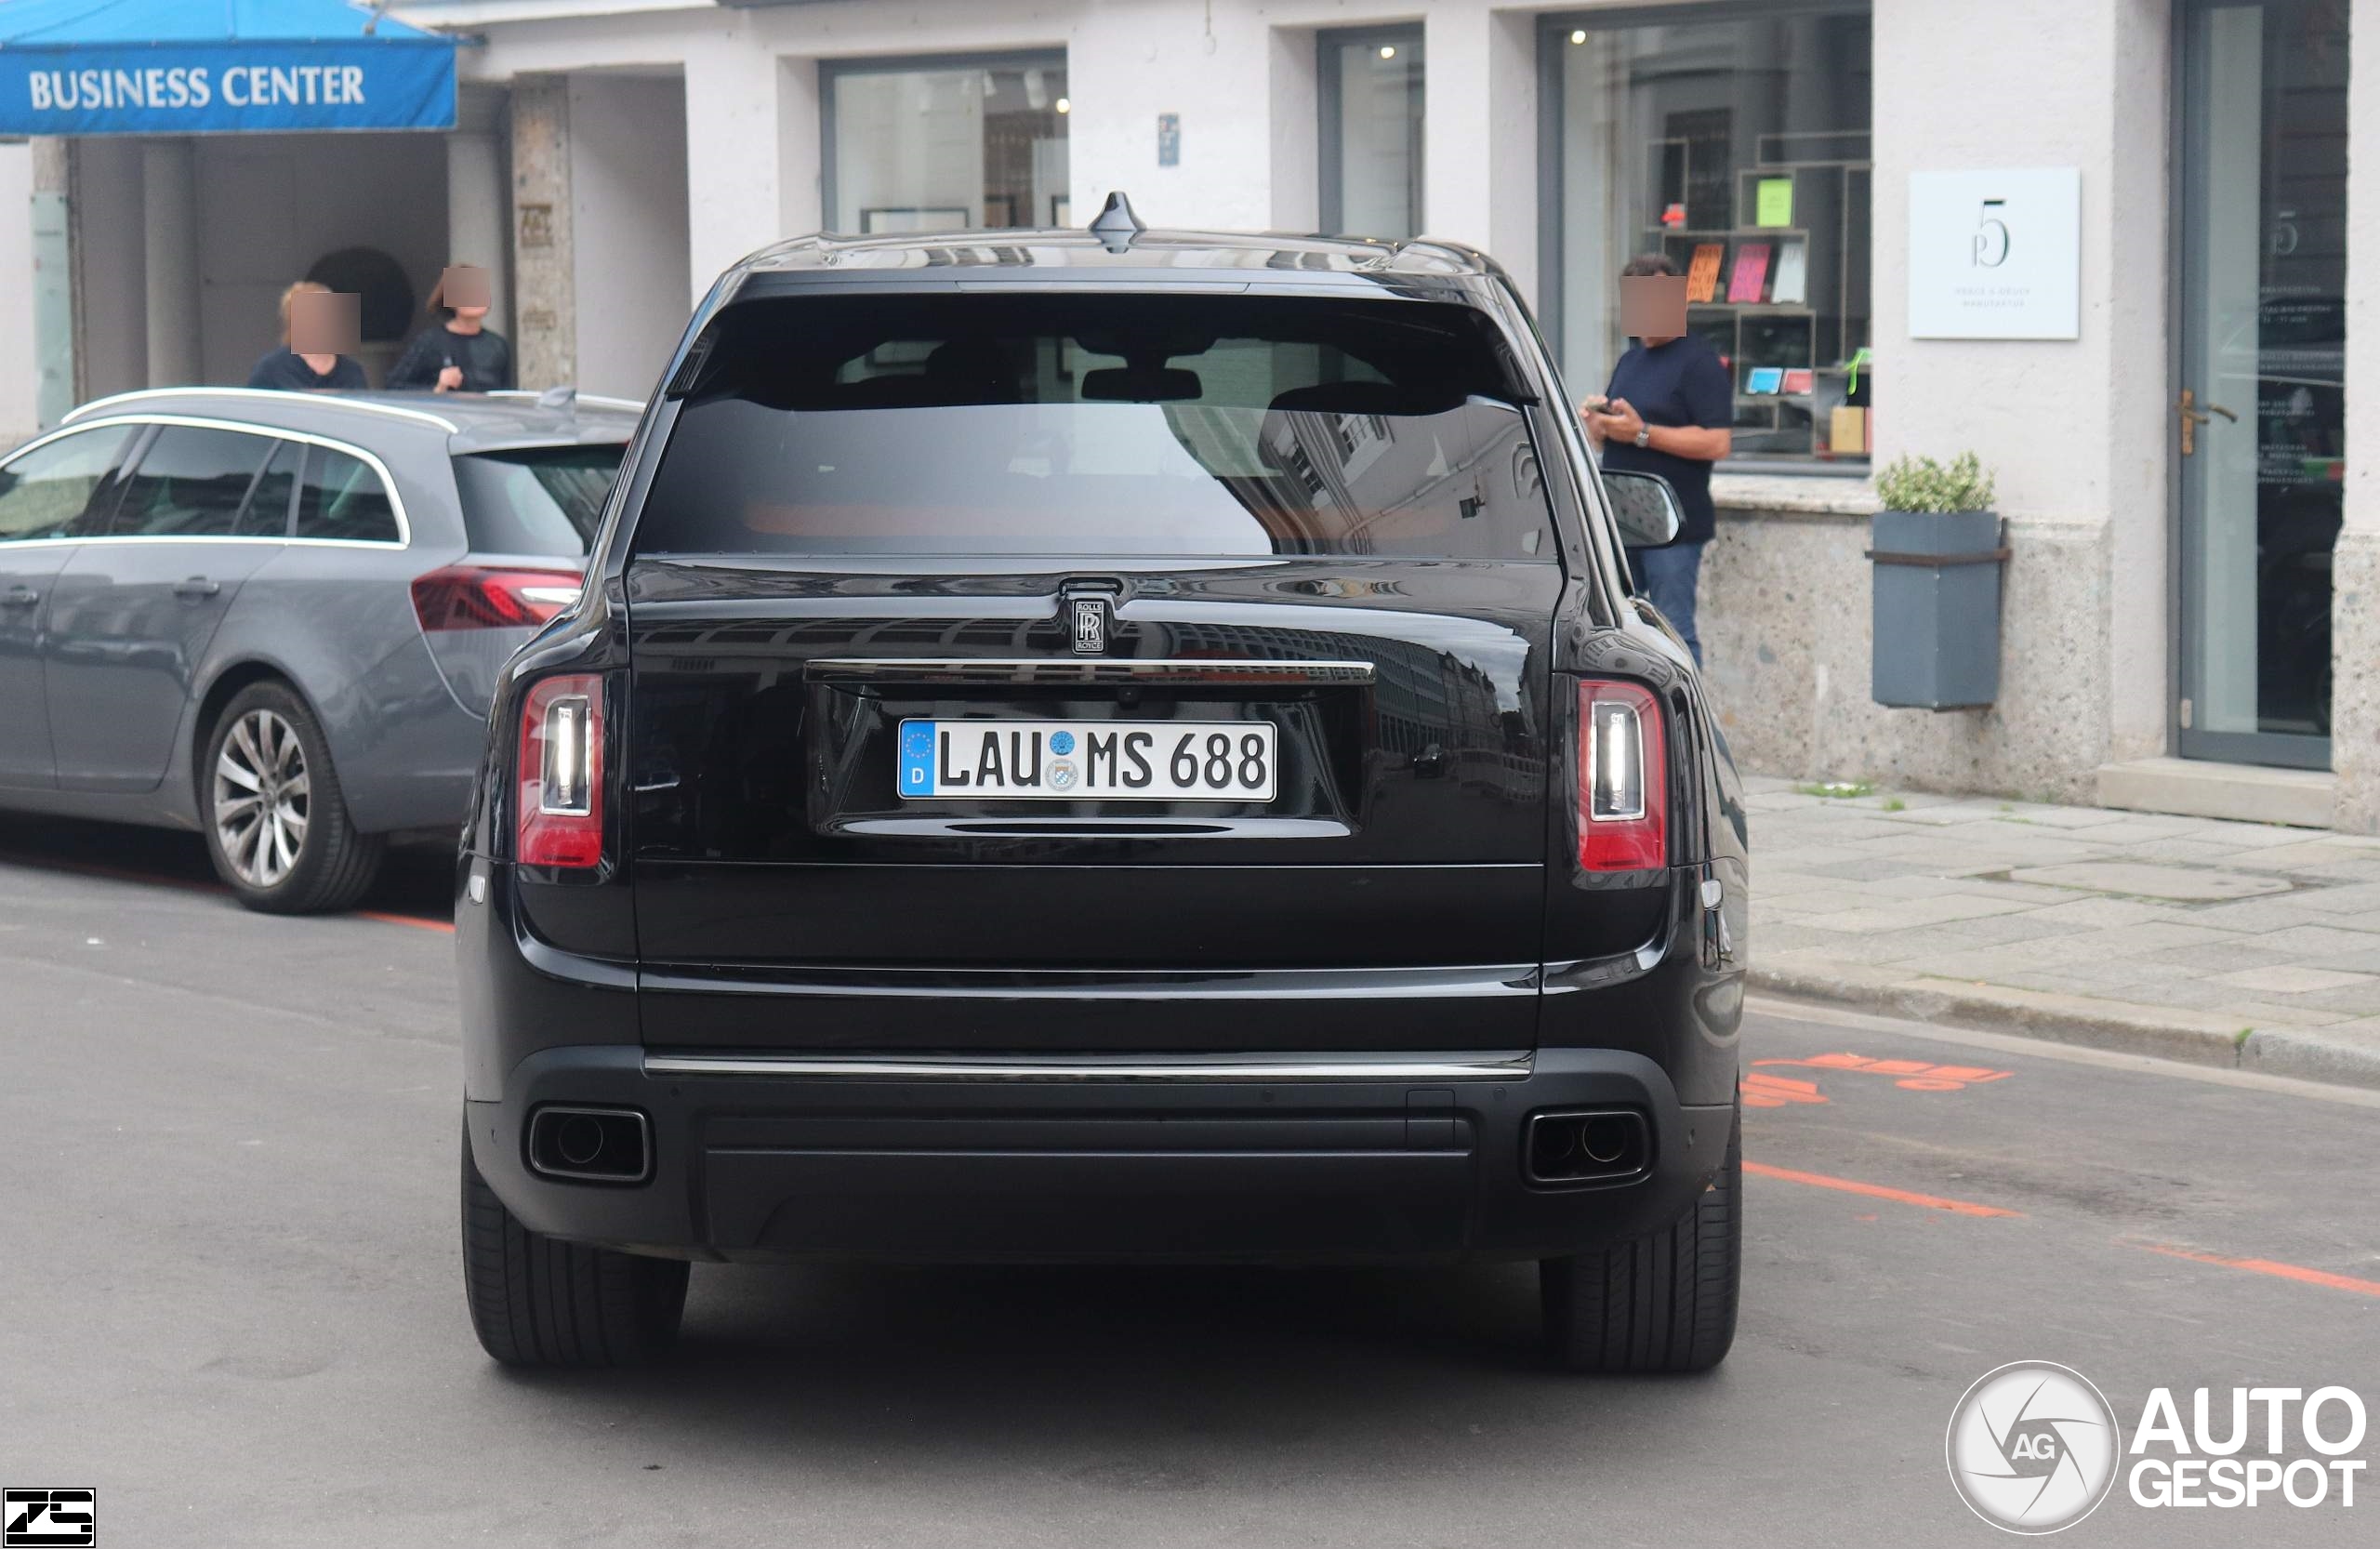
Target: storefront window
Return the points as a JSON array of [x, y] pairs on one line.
[[1371, 132], [960, 145], [1735, 140]]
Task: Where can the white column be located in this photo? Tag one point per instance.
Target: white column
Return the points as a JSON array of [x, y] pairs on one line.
[[735, 198], [477, 203], [1480, 89], [2077, 431], [169, 223], [1296, 126]]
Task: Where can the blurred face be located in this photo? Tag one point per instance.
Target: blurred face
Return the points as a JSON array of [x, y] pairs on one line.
[[324, 323], [1652, 308], [470, 314]]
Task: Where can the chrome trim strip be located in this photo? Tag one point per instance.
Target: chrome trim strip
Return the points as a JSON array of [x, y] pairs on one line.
[[1214, 986], [201, 422], [422, 415], [599, 399], [1499, 1065], [1077, 670]]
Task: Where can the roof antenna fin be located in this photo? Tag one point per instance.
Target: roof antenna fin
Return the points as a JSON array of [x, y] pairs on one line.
[[1116, 226]]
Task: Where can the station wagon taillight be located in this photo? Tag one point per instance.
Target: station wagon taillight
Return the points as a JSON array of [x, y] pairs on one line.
[[560, 778], [487, 597], [1623, 778]]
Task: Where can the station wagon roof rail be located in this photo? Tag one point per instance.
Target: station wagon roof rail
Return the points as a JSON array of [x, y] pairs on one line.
[[144, 395]]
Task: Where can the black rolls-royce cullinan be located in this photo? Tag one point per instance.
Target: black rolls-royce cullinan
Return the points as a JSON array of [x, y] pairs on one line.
[[1109, 745]]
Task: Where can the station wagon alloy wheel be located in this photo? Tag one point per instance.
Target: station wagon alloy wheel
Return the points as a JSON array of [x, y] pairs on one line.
[[262, 797], [275, 817]]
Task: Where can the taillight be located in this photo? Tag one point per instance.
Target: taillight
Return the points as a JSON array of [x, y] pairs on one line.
[[560, 780], [1623, 778], [479, 597]]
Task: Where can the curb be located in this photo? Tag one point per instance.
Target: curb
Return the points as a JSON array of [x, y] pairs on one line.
[[2166, 1032]]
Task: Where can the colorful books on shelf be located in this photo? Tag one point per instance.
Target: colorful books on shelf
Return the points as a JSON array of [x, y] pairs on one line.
[[1764, 379], [1702, 277], [1797, 379], [1792, 274], [1751, 273]]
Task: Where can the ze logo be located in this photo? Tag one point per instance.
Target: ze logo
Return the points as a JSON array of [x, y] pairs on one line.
[[49, 1518]]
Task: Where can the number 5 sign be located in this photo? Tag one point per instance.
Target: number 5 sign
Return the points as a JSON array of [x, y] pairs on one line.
[[1995, 255]]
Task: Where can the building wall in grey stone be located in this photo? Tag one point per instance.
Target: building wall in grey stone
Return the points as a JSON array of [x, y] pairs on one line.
[[545, 294], [2355, 677], [1786, 635]]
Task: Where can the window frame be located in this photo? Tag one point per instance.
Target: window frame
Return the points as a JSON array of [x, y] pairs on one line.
[[130, 470], [113, 477], [143, 427], [1330, 147], [1554, 29], [831, 73]]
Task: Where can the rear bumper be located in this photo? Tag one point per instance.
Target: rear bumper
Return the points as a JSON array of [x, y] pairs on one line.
[[1355, 1161]]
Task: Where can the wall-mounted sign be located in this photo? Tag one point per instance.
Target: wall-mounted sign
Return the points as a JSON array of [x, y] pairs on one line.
[[1168, 139], [1995, 255]]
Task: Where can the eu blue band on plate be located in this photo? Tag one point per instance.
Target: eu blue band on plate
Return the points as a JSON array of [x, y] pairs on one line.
[[225, 88], [917, 757]]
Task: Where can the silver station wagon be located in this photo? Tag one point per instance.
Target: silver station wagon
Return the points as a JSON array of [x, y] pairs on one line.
[[276, 618]]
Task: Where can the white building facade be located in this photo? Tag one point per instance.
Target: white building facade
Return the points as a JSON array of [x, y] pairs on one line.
[[2189, 622]]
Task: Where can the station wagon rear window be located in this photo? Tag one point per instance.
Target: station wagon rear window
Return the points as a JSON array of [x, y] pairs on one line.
[[1140, 424], [535, 499]]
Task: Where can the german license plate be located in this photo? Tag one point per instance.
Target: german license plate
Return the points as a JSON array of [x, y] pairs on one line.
[[1087, 761]]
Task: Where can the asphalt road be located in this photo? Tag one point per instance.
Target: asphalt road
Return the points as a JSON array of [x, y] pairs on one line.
[[232, 1301]]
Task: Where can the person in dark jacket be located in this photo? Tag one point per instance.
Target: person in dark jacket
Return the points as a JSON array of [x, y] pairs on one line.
[[1670, 410], [463, 355], [301, 364]]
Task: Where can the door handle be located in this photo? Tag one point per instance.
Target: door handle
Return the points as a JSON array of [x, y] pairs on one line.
[[2193, 418], [196, 586], [19, 597]]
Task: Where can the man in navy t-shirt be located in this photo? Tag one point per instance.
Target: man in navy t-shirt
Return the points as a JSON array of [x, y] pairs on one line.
[[1668, 411]]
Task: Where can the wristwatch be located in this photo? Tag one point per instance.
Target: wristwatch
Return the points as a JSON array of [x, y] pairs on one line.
[[1644, 435]]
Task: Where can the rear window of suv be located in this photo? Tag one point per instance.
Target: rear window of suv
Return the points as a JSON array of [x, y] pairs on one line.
[[537, 499], [1140, 424]]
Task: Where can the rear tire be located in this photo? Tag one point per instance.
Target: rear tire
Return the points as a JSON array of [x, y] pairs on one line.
[[276, 819], [537, 1301], [1664, 1302]]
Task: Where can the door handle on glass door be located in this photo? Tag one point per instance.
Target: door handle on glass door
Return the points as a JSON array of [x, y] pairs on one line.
[[2192, 418], [197, 586]]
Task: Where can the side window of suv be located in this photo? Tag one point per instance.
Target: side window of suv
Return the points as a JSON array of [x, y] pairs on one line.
[[45, 490], [192, 482], [342, 497]]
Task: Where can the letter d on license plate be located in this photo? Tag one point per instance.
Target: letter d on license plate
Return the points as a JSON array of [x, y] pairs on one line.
[[1087, 761]]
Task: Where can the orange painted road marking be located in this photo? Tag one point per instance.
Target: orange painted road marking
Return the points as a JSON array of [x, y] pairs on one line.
[[1914, 1075], [1878, 1191], [415, 921], [1774, 1091], [2263, 1267]]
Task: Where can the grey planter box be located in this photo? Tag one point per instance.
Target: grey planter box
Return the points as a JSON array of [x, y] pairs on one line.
[[1936, 589]]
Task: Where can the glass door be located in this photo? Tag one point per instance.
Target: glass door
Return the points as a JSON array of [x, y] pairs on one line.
[[2259, 402]]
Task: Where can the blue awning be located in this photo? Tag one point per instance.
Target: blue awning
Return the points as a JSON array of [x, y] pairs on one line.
[[194, 67]]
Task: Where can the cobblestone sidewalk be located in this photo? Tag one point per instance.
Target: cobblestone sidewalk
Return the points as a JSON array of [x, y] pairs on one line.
[[2235, 943]]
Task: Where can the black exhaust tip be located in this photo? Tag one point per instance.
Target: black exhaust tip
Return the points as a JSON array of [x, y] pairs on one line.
[[1601, 1145], [608, 1146]]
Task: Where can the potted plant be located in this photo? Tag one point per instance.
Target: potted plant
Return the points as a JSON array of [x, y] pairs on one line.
[[1936, 550]]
